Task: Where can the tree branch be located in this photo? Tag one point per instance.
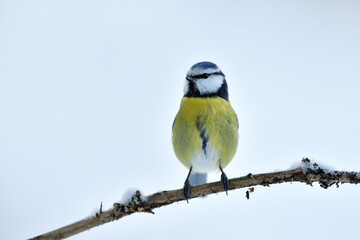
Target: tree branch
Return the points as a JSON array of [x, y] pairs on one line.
[[307, 172]]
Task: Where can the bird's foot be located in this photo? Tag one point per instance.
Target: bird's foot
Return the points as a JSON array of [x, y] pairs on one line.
[[225, 181], [186, 190]]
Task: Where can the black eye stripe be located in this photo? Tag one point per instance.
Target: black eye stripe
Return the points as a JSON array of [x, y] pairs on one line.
[[206, 75]]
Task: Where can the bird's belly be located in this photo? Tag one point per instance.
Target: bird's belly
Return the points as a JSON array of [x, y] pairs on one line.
[[205, 161], [205, 134]]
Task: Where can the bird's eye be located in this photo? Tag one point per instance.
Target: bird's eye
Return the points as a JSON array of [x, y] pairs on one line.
[[205, 75]]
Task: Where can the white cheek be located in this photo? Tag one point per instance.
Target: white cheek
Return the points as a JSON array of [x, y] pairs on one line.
[[209, 85]]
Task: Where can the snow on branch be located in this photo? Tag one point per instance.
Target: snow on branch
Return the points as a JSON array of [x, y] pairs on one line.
[[306, 171]]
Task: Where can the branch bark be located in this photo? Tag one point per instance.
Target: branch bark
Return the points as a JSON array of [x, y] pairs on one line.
[[307, 172]]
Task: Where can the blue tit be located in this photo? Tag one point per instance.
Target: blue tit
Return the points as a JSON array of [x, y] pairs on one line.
[[205, 130]]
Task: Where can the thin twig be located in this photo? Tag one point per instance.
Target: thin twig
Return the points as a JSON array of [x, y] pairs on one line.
[[307, 173]]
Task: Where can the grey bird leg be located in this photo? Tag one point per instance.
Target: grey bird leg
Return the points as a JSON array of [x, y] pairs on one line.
[[224, 181], [187, 186]]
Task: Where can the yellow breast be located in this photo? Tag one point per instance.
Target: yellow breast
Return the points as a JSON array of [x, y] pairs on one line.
[[205, 133]]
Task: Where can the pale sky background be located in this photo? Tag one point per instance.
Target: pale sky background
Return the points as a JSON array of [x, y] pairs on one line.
[[89, 91]]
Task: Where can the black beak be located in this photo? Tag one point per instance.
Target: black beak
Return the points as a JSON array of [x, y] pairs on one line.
[[190, 78]]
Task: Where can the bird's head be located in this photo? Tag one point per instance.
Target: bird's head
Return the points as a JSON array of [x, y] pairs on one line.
[[205, 79]]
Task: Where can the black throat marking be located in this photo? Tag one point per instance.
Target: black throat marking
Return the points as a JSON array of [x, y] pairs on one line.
[[194, 92]]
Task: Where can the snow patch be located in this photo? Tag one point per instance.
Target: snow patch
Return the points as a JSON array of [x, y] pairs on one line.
[[95, 211], [307, 164], [128, 194]]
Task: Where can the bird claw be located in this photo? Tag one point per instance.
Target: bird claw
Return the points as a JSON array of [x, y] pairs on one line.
[[225, 181], [186, 190]]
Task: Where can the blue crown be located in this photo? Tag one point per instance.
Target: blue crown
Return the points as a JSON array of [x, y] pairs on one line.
[[205, 65]]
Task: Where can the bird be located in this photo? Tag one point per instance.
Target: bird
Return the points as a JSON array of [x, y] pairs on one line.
[[205, 129]]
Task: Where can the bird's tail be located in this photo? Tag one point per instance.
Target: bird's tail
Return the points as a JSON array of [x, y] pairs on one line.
[[197, 178]]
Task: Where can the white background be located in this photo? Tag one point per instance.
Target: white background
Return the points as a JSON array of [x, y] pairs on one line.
[[89, 90]]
